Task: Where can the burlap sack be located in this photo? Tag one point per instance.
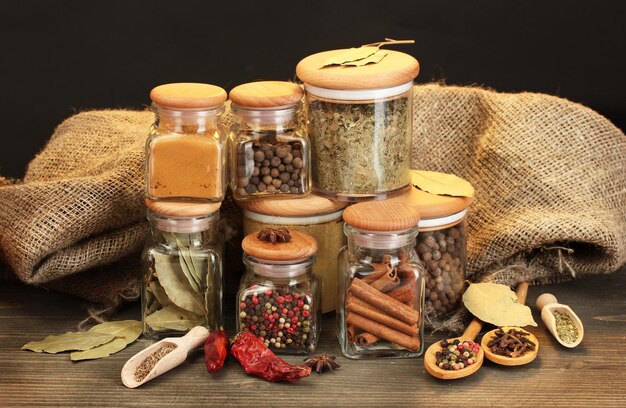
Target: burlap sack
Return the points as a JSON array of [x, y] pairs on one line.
[[550, 178]]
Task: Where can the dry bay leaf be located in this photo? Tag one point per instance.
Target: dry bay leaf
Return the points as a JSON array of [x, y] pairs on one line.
[[173, 317], [441, 183], [496, 304], [375, 58], [125, 332], [177, 286], [351, 55], [68, 341]]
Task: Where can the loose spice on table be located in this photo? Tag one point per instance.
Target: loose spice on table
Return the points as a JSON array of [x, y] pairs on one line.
[[565, 327], [322, 363], [215, 351], [256, 359]]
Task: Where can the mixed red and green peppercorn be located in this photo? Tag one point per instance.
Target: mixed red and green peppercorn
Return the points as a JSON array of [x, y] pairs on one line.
[[456, 355]]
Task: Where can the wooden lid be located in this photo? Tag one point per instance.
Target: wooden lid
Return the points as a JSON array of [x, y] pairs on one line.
[[188, 95], [266, 94], [307, 206], [386, 215], [301, 246], [180, 209], [432, 205], [396, 68]]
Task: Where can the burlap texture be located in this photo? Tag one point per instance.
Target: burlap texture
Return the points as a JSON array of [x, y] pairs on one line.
[[550, 179]]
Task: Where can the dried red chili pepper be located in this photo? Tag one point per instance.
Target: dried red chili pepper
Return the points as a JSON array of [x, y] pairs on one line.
[[256, 359], [215, 350]]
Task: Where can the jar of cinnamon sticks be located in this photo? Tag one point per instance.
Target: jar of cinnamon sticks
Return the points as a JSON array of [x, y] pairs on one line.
[[186, 147], [381, 295]]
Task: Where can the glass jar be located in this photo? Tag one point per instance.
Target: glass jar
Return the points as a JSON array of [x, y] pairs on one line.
[[441, 246], [315, 215], [271, 151], [186, 148], [182, 273], [279, 300], [360, 125], [381, 294]]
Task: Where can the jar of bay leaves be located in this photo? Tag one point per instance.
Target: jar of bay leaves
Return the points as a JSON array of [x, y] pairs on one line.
[[186, 148], [359, 124], [381, 289], [441, 245], [271, 151], [182, 269], [279, 295], [318, 216]]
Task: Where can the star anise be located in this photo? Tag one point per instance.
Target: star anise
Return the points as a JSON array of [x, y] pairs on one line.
[[322, 363], [274, 235]]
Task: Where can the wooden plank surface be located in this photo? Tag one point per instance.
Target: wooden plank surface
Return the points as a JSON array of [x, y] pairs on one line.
[[594, 374]]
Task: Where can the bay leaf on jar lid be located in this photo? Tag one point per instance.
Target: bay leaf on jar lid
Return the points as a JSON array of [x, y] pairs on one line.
[[497, 304], [441, 183]]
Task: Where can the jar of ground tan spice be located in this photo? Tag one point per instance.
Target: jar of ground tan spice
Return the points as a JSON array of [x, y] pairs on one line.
[[182, 269], [186, 149], [279, 296], [441, 245], [317, 216], [381, 293], [271, 153], [359, 125]]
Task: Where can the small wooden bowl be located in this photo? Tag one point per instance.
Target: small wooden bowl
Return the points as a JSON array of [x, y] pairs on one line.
[[509, 361]]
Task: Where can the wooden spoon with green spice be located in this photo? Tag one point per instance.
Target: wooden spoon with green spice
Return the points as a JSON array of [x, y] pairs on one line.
[[563, 323]]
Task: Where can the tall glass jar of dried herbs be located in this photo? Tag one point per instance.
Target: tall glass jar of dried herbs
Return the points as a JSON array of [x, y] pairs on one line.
[[279, 296], [319, 217], [359, 124], [381, 288], [271, 153], [186, 148], [182, 269], [441, 245]]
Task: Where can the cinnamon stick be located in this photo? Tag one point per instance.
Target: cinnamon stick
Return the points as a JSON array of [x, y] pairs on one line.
[[382, 331], [385, 303], [404, 294], [358, 306], [366, 339], [379, 270], [351, 332], [387, 282]]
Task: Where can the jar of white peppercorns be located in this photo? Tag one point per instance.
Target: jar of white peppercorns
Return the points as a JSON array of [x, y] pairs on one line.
[[271, 151], [279, 296], [441, 245]]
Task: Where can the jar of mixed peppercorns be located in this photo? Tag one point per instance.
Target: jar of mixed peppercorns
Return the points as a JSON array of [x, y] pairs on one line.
[[279, 297], [271, 153], [381, 294], [441, 245]]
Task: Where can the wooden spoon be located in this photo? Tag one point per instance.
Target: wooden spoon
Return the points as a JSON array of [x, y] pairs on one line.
[[430, 358], [528, 356], [193, 339], [548, 304]]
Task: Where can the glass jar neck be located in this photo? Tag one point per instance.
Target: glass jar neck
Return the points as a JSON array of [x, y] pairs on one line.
[[387, 241], [279, 269], [183, 225], [187, 120], [280, 119]]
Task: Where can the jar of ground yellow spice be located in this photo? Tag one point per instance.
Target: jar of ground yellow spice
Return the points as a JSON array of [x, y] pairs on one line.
[[186, 149], [317, 216]]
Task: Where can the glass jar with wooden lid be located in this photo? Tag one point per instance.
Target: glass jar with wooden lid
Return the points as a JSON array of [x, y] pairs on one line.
[[381, 294], [441, 245], [182, 269], [359, 124], [271, 151], [315, 215], [279, 296], [186, 148]]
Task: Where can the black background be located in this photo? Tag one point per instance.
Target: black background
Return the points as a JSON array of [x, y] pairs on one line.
[[59, 57]]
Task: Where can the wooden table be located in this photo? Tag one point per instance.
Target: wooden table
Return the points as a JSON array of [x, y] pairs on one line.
[[594, 374]]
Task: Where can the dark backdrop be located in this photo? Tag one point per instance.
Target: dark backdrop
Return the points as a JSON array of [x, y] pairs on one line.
[[59, 57]]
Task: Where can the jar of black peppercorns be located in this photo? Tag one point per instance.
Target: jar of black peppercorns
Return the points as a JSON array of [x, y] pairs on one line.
[[441, 245], [279, 296], [271, 152]]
